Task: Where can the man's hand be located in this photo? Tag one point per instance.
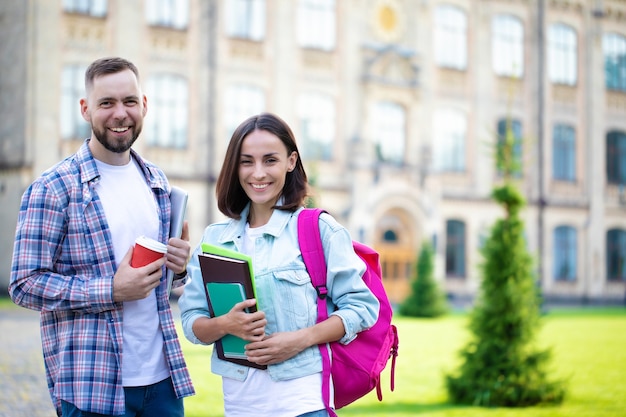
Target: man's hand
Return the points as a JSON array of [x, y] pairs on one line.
[[131, 284], [178, 251]]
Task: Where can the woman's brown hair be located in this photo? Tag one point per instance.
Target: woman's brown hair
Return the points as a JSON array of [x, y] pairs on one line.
[[231, 198]]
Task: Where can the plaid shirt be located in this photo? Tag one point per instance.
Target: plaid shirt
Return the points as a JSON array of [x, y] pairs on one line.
[[63, 266]]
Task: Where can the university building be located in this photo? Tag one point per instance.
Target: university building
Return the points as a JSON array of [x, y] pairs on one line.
[[398, 107]]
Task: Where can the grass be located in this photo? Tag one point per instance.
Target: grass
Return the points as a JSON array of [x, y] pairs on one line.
[[588, 346]]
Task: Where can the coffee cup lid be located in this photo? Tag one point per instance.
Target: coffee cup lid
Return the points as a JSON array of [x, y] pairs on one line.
[[151, 244]]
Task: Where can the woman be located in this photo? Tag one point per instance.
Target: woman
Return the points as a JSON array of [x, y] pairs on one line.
[[261, 188]]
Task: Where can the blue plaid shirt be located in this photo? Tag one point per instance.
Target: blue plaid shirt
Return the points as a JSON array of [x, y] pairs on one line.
[[63, 266]]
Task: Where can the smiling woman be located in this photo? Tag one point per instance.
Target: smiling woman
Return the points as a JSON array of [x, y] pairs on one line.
[[261, 188]]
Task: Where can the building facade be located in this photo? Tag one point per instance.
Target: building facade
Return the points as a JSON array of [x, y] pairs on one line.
[[398, 107]]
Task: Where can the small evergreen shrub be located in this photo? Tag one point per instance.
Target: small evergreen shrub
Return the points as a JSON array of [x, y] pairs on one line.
[[500, 366], [425, 300]]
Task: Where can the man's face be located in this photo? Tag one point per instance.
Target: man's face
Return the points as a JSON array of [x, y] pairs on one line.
[[115, 108]]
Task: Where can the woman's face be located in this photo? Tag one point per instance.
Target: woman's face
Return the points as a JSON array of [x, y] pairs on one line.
[[263, 167]]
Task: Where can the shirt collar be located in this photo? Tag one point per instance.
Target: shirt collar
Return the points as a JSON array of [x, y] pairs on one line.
[[277, 223]]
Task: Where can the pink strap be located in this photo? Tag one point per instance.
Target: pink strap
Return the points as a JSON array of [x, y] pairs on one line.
[[313, 256]]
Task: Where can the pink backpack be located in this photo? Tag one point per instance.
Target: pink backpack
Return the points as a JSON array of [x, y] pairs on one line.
[[356, 367]]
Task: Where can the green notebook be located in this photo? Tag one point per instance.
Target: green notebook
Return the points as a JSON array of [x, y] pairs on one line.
[[224, 295]]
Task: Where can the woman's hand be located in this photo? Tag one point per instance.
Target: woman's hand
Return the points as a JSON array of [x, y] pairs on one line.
[[276, 348], [248, 326], [279, 347]]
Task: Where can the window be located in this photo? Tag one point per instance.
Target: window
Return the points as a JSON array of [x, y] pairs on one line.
[[616, 255], [614, 46], [73, 126], [455, 249], [565, 253], [390, 236], [450, 37], [450, 131], [511, 130], [242, 101], [317, 24], [95, 8], [246, 19], [317, 126], [562, 54], [389, 132], [616, 157], [563, 153], [168, 13], [168, 111], [507, 55]]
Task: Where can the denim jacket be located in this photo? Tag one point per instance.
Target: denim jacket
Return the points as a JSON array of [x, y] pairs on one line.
[[284, 290]]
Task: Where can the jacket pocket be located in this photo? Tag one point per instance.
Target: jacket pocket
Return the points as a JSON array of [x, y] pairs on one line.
[[295, 299]]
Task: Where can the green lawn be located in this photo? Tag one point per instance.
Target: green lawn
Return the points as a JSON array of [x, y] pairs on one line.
[[588, 345], [589, 348]]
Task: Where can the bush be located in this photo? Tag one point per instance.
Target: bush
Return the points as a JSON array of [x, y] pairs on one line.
[[500, 367], [425, 300]]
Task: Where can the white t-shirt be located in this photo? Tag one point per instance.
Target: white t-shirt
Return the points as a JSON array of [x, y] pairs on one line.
[[261, 396], [131, 211]]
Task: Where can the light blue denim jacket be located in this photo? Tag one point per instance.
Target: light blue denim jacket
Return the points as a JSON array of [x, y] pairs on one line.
[[284, 290]]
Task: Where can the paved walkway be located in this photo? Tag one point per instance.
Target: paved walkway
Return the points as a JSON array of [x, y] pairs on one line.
[[23, 390]]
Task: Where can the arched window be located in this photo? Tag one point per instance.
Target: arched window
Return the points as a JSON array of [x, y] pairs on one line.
[[317, 126], [389, 132], [73, 126], [168, 13], [565, 253], [450, 37], [562, 54], [390, 236], [241, 102], [455, 249], [616, 157], [614, 46], [317, 24], [514, 127], [616, 255], [168, 117], [507, 44], [94, 8], [450, 130], [564, 153], [246, 19]]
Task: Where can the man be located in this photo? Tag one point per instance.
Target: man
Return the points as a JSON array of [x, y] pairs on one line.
[[109, 342]]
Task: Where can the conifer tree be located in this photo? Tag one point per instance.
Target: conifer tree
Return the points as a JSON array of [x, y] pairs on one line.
[[425, 300], [500, 366]]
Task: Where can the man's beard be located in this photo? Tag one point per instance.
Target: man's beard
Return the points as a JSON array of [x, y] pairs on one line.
[[114, 145]]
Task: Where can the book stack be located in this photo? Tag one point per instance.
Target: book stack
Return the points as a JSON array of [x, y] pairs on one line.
[[228, 279]]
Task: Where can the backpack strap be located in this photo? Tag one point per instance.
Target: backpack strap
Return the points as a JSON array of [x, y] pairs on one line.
[[313, 252], [313, 255]]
